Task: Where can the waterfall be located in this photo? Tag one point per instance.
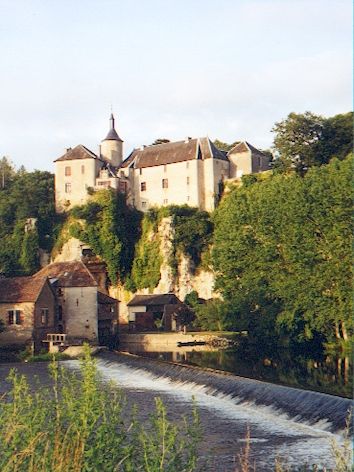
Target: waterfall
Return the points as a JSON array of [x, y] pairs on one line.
[[326, 412]]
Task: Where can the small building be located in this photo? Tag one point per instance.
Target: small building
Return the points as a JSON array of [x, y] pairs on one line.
[[80, 304], [107, 318], [27, 310], [153, 312]]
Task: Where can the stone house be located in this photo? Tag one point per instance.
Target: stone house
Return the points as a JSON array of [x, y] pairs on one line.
[[84, 313], [185, 172], [149, 312], [27, 310]]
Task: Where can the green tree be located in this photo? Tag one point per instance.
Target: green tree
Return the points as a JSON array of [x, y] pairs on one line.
[[283, 264], [225, 146], [296, 140]]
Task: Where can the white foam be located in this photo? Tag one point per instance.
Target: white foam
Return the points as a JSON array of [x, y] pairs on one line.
[[315, 448]]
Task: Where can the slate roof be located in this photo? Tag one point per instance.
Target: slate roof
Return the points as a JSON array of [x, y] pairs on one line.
[[105, 299], [69, 274], [78, 152], [244, 146], [148, 300], [21, 289], [170, 153], [112, 136]]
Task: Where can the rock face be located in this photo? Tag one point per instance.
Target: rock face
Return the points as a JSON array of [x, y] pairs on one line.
[[184, 281]]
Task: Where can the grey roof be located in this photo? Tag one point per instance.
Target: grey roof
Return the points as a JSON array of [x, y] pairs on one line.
[[170, 153], [159, 299], [112, 136], [78, 152]]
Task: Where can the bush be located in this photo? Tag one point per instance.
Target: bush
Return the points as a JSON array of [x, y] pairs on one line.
[[79, 426]]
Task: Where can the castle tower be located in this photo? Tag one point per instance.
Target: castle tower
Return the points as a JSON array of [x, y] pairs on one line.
[[112, 146]]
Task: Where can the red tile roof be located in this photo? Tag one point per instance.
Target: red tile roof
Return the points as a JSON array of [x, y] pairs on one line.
[[69, 274], [21, 289]]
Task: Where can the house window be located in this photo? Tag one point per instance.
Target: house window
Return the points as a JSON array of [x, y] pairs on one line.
[[187, 180], [188, 197], [143, 204], [165, 201], [44, 316], [143, 186], [14, 317], [187, 165], [165, 168], [82, 169], [164, 183], [67, 188], [141, 171], [67, 171]]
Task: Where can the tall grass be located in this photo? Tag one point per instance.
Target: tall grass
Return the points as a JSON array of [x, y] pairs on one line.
[[82, 424]]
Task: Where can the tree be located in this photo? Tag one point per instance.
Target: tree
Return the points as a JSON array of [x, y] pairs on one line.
[[160, 141], [296, 140], [283, 265], [305, 140], [225, 146], [7, 172]]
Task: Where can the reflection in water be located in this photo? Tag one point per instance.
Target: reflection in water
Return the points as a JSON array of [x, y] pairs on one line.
[[323, 372]]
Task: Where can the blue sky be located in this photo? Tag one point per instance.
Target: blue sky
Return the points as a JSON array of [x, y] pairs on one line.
[[225, 68]]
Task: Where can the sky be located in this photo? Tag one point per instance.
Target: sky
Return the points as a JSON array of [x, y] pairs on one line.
[[227, 69]]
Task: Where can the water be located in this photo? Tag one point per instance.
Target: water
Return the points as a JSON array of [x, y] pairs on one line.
[[319, 372], [289, 424]]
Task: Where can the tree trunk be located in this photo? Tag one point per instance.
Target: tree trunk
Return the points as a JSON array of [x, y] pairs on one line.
[[344, 331]]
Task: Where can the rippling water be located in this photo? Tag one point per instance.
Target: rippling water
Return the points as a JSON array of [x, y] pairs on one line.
[[275, 434]]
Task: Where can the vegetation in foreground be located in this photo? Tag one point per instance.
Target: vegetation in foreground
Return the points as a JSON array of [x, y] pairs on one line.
[[79, 426]]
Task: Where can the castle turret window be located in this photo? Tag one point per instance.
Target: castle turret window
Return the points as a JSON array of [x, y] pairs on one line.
[[143, 186], [68, 187], [68, 171], [164, 183]]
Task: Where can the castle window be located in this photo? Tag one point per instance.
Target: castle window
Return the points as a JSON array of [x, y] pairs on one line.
[[14, 317], [123, 187], [82, 169], [67, 171], [188, 198], [143, 204], [164, 183], [187, 180], [165, 168], [141, 171], [44, 316], [187, 165], [165, 202], [143, 186], [67, 188]]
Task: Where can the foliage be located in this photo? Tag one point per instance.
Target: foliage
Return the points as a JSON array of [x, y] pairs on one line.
[[192, 231], [284, 263], [24, 195], [225, 146], [111, 229], [305, 140], [214, 315], [77, 425], [147, 261]]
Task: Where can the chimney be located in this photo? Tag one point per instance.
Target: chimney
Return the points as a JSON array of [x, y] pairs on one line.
[[68, 149], [187, 139]]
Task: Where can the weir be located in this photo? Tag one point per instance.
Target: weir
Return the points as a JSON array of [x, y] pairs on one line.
[[326, 412]]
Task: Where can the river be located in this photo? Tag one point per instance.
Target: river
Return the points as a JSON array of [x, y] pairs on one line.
[[282, 421]]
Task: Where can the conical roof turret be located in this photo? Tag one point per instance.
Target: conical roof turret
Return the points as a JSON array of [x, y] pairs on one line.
[[112, 133]]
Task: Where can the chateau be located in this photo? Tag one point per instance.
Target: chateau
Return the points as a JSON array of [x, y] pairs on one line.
[[189, 172]]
